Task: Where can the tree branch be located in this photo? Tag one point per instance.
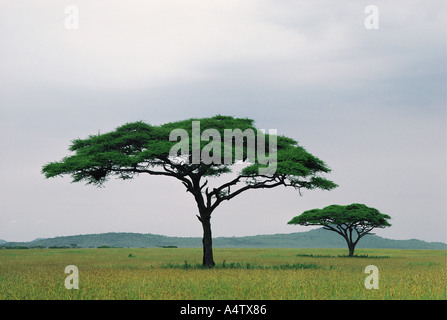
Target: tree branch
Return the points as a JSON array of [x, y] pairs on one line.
[[328, 227], [167, 172], [259, 185]]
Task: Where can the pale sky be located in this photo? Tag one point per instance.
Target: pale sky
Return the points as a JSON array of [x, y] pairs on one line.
[[370, 103]]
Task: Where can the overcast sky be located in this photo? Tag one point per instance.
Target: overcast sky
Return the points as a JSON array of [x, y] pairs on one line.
[[371, 103]]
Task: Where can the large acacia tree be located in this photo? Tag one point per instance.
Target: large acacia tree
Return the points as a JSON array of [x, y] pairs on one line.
[[352, 221], [140, 148]]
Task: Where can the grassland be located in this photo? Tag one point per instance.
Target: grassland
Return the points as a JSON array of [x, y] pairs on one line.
[[164, 274]]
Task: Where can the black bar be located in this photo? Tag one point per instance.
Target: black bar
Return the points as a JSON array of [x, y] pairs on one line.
[[219, 309]]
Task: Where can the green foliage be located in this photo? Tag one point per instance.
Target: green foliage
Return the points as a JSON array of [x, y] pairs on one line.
[[353, 214], [138, 147], [16, 247], [239, 265], [345, 220], [365, 256]]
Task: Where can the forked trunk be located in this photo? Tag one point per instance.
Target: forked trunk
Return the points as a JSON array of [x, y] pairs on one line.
[[351, 244], [351, 249]]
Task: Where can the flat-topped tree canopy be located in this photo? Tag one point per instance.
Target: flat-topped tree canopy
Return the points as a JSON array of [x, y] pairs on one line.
[[345, 219], [139, 147], [193, 151]]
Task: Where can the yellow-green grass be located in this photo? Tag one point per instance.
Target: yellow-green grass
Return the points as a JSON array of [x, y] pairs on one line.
[[128, 273]]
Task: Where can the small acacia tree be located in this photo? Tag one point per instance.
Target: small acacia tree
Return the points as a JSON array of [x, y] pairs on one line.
[[140, 148], [352, 221]]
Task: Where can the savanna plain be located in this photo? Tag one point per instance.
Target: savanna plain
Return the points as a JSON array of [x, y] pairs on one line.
[[245, 274]]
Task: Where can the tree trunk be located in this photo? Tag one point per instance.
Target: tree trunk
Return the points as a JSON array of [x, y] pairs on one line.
[[208, 260], [351, 247]]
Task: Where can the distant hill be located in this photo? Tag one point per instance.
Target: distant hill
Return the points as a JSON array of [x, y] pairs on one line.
[[317, 238]]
